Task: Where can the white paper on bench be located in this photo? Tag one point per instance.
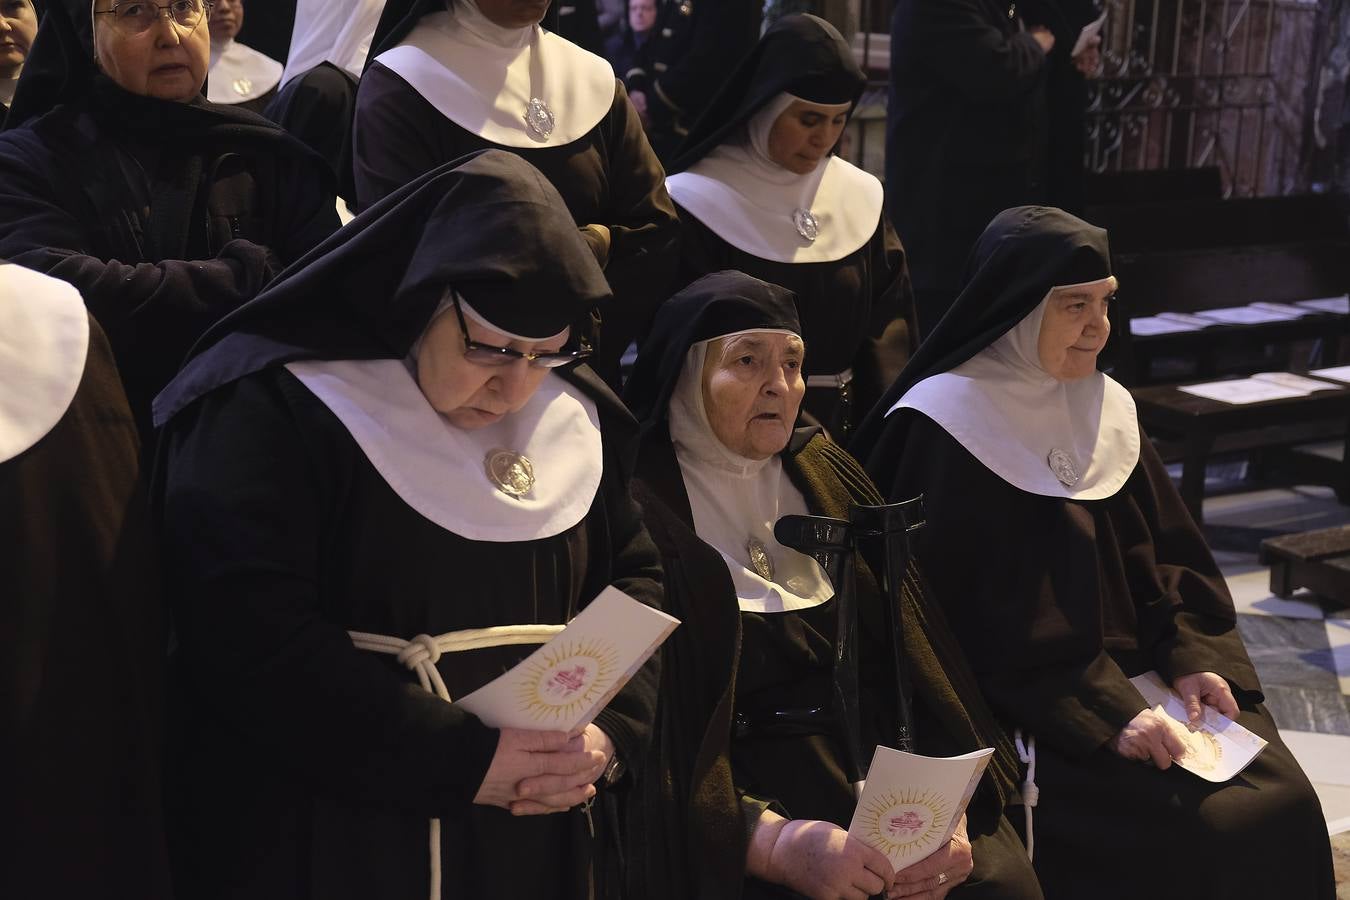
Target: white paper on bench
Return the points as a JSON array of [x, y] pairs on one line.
[[1146, 325], [1335, 373], [1286, 309], [1243, 390], [1187, 319], [1328, 304], [1244, 315], [1295, 382]]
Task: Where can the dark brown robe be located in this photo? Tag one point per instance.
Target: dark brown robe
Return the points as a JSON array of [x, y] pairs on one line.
[[82, 646], [609, 177], [1056, 604], [691, 825]]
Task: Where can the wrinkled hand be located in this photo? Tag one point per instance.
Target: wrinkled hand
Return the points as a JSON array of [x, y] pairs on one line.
[[920, 881], [1148, 737], [1090, 57], [639, 100], [1205, 688], [820, 861], [1043, 36], [539, 772]]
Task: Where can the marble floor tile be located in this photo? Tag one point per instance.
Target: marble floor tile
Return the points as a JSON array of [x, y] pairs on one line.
[[1290, 652], [1325, 758], [1251, 594], [1307, 709]]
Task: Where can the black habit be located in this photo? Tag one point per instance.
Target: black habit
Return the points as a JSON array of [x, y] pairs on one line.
[[965, 133], [164, 215], [609, 177], [691, 825], [308, 768], [82, 638], [1058, 602], [856, 311]]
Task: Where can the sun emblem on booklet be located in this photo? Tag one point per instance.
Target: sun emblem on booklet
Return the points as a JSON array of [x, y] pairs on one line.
[[908, 823], [242, 86], [539, 119], [567, 679]]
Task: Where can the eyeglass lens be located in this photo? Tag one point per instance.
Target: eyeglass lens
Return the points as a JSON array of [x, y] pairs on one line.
[[135, 16]]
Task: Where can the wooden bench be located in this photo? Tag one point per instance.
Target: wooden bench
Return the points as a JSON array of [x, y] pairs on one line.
[[1191, 428], [1316, 560]]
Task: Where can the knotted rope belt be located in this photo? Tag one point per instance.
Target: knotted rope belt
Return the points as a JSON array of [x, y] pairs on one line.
[[421, 653]]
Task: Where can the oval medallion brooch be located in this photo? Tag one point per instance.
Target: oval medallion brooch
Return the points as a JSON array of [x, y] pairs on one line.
[[512, 473]]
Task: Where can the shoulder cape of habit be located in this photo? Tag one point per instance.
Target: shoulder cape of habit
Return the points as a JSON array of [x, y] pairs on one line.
[[488, 224], [401, 16], [800, 54], [1025, 251]]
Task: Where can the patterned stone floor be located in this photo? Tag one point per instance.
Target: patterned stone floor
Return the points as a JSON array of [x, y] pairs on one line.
[[1301, 646]]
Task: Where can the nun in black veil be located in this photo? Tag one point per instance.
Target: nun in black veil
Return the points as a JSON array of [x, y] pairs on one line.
[[734, 804], [396, 445], [759, 190], [1067, 564], [164, 210]]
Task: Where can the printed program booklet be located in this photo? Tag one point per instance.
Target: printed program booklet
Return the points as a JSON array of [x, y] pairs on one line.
[[566, 682], [911, 804], [1217, 748]]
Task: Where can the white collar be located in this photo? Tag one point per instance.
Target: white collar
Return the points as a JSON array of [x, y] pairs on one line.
[[735, 501], [1012, 416], [44, 341], [440, 470], [486, 79], [7, 88], [239, 73], [752, 208], [761, 208], [332, 31]]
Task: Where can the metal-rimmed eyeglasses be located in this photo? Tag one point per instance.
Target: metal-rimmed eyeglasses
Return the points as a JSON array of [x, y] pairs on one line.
[[492, 355], [138, 16]]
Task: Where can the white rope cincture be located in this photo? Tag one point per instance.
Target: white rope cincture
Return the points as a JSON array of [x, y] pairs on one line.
[[421, 653], [1031, 794]]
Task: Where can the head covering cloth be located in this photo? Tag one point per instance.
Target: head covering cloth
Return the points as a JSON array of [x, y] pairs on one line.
[[986, 345], [489, 225]]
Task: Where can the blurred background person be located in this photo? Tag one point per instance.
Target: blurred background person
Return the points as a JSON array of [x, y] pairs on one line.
[[622, 47], [239, 75], [684, 63], [166, 211], [18, 28], [965, 132]]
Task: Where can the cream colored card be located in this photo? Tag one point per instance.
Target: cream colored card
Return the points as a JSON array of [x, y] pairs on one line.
[[1217, 749], [912, 804], [566, 682]]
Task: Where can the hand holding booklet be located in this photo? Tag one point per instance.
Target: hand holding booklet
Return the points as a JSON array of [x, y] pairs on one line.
[[566, 682], [911, 804], [1217, 748]]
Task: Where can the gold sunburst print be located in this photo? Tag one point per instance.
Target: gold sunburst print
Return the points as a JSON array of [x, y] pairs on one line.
[[567, 678], [905, 823]]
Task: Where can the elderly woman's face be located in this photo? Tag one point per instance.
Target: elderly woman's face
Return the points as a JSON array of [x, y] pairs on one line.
[[752, 389], [1075, 329], [804, 134], [468, 394], [167, 61], [18, 27], [512, 13]]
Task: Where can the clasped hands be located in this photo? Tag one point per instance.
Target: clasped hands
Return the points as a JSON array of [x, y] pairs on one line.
[[534, 773], [820, 861], [1148, 738]]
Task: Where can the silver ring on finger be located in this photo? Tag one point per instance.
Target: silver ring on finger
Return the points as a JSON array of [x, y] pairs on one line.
[[942, 878]]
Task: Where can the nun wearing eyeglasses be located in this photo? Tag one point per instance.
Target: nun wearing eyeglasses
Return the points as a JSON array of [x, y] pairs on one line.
[[454, 76], [759, 189], [399, 444], [755, 791], [164, 210], [1065, 560]]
